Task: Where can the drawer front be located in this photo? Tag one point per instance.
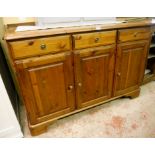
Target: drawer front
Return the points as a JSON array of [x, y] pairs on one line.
[[134, 34], [34, 47], [94, 39]]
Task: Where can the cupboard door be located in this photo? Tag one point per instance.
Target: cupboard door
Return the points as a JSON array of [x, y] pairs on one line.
[[93, 75], [130, 66], [47, 86]]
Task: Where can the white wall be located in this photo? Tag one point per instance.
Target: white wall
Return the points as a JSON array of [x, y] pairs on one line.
[[72, 21], [9, 126]]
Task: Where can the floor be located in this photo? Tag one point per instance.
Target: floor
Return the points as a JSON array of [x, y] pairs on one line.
[[119, 118]]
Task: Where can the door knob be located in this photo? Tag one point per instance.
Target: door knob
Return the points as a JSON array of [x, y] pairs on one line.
[[118, 74], [70, 87], [79, 84]]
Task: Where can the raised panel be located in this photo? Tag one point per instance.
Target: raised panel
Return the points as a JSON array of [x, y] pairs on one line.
[[49, 88], [94, 75], [130, 66]]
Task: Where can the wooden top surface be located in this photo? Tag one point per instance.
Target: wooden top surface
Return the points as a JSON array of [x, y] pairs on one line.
[[10, 34]]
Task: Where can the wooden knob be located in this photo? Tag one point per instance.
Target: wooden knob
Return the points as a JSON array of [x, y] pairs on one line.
[[70, 87], [118, 74], [79, 84]]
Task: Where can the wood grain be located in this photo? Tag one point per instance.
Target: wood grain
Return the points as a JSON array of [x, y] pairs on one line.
[[94, 39], [130, 66], [134, 34], [47, 89], [94, 74], [90, 71], [33, 47]]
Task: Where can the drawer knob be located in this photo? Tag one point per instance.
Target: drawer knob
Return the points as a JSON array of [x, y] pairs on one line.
[[43, 46], [97, 40]]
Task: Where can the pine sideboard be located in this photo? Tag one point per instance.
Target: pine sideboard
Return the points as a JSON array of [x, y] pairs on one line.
[[62, 71]]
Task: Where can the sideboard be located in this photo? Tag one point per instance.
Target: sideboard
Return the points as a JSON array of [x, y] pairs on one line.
[[62, 71]]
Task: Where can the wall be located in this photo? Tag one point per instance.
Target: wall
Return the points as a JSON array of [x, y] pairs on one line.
[[9, 126], [16, 20]]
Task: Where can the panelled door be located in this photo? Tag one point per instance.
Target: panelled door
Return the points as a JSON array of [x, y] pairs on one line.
[[130, 66], [47, 85], [94, 70]]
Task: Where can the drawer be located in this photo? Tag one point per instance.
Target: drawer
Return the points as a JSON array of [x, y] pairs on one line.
[[94, 39], [34, 47], [134, 34]]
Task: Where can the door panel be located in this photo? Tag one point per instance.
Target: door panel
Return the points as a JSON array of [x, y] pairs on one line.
[[94, 75], [51, 86], [48, 87], [130, 65]]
